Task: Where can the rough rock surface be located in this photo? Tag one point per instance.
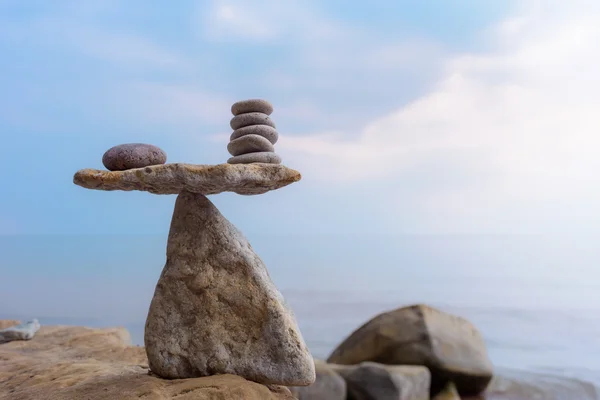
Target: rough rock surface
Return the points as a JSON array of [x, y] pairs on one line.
[[249, 144], [7, 323], [263, 130], [24, 331], [450, 346], [252, 118], [204, 179], [75, 363], [133, 155], [263, 158], [372, 381], [215, 309], [252, 105], [329, 385]]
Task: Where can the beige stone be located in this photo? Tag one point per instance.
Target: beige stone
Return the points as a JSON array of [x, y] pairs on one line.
[[246, 179], [7, 323], [448, 393], [373, 381], [450, 346], [75, 363], [215, 309], [329, 385]]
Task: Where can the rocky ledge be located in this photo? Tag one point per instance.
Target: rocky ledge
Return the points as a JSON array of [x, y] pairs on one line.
[[247, 179], [80, 363]]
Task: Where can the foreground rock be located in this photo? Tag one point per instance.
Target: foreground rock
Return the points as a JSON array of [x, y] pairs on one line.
[[247, 179], [372, 381], [7, 323], [133, 155], [24, 331], [450, 346], [215, 309], [329, 385], [74, 363]]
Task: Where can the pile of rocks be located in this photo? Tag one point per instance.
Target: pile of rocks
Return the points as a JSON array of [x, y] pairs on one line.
[[411, 353], [215, 309], [254, 133]]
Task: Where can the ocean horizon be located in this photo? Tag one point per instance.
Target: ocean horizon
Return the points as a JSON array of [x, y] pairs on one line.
[[534, 298]]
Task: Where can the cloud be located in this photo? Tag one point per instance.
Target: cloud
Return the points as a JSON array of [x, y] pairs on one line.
[[522, 117], [265, 21]]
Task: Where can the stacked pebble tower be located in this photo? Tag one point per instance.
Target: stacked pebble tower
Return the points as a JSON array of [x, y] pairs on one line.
[[253, 134]]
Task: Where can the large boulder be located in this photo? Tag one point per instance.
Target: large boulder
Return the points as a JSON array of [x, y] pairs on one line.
[[75, 363], [329, 385], [215, 309], [450, 346], [372, 381]]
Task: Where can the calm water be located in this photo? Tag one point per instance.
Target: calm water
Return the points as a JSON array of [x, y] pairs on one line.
[[535, 299]]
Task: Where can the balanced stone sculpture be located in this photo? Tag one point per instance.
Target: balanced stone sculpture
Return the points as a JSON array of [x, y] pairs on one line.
[[254, 133], [215, 309]]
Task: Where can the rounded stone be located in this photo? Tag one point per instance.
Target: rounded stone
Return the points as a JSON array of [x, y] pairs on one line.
[[133, 155], [250, 158], [252, 105], [249, 144], [252, 118], [262, 130]]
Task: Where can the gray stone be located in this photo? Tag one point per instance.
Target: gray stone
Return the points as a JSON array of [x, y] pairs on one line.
[[24, 331], [450, 346], [252, 105], [253, 118], [250, 158], [215, 309], [372, 381], [249, 144], [205, 179], [133, 155], [329, 385], [262, 130]]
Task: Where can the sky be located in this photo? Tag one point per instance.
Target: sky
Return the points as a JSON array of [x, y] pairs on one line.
[[422, 128], [410, 117]]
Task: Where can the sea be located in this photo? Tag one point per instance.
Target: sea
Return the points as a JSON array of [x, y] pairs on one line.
[[535, 298]]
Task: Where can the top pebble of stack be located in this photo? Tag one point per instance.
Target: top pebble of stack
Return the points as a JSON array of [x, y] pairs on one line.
[[252, 105]]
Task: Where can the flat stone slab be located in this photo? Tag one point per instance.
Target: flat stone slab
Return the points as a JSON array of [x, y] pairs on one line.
[[247, 179]]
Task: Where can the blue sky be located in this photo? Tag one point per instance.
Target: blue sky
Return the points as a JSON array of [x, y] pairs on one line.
[[403, 116]]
